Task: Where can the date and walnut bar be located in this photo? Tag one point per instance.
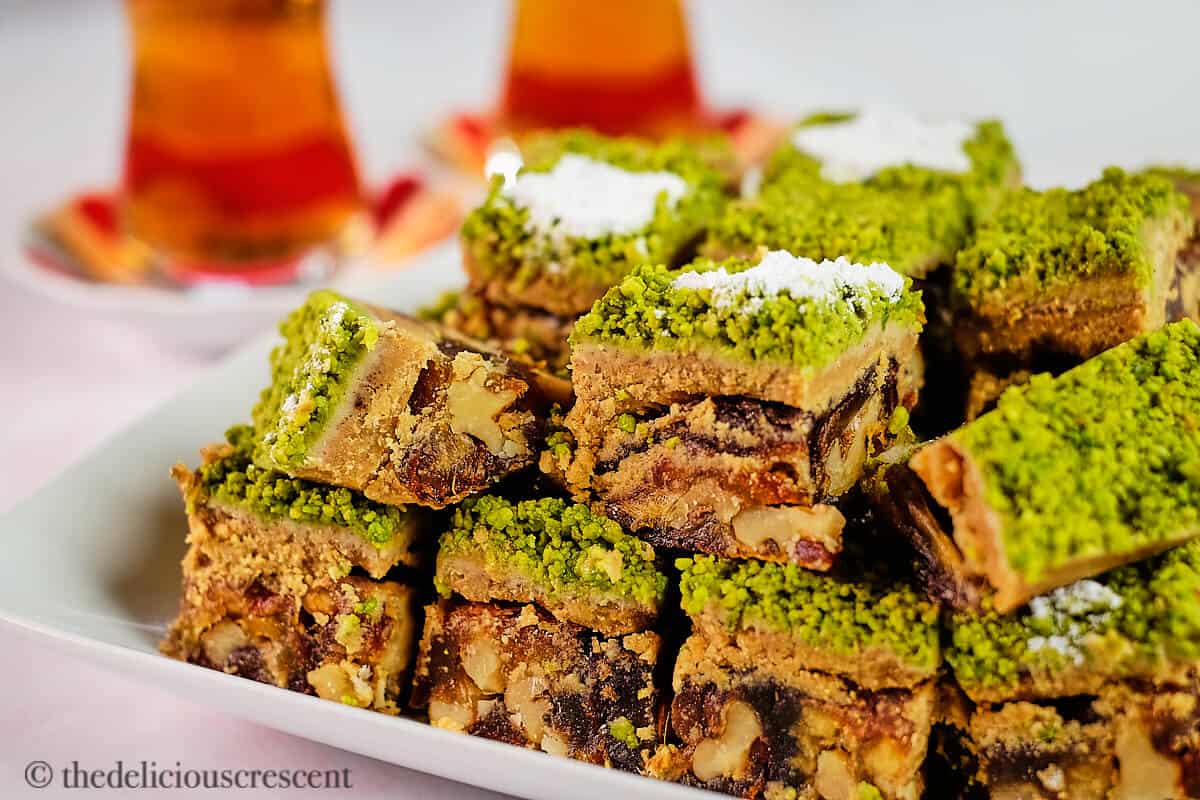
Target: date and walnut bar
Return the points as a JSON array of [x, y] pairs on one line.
[[518, 675], [268, 592], [396, 408], [1070, 476], [794, 684], [581, 213], [1093, 690], [720, 407], [1072, 273], [577, 565]]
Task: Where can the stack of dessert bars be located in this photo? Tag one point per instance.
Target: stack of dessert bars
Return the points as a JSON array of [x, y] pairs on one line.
[[307, 528], [650, 487], [532, 271]]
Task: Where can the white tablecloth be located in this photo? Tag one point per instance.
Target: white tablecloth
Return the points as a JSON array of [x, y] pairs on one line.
[[1084, 84]]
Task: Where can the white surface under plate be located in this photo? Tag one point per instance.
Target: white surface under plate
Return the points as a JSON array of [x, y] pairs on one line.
[[91, 562]]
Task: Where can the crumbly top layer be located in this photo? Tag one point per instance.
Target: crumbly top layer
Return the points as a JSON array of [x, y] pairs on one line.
[[1039, 240], [845, 616], [235, 479], [563, 546], [506, 239], [1125, 621], [582, 198], [747, 309], [991, 160], [911, 230], [1103, 459], [877, 137], [323, 340]]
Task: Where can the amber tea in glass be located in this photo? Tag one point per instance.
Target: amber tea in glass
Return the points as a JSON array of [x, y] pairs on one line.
[[237, 151], [619, 66]]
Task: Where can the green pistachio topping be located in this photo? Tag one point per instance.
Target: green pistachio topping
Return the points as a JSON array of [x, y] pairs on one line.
[[1103, 460], [1043, 240], [1174, 172], [660, 309], [324, 340], [844, 616], [445, 303], [913, 231], [563, 547], [503, 244], [235, 479], [624, 732], [868, 791], [989, 152], [1128, 620]]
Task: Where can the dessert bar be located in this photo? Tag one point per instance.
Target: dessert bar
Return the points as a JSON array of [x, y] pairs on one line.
[[268, 592], [892, 148], [295, 526], [1071, 273], [1090, 691], [578, 565], [794, 684], [580, 213], [720, 407], [520, 676], [396, 408], [915, 231], [1072, 476]]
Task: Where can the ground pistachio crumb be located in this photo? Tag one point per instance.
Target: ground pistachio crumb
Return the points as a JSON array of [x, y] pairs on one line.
[[647, 310], [867, 791], [1126, 621], [845, 616], [323, 340], [913, 231], [1041, 240], [1102, 460], [502, 244], [564, 547], [237, 480], [624, 732]]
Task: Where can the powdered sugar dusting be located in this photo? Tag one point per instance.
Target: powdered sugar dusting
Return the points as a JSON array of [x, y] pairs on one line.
[[884, 137], [1073, 612], [780, 272], [585, 198]]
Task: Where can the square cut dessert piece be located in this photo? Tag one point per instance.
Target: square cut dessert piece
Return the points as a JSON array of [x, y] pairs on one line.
[[794, 684], [291, 526], [517, 675], [1090, 691], [721, 407], [344, 638], [1071, 476], [1071, 273], [396, 408], [578, 565], [891, 148], [581, 213]]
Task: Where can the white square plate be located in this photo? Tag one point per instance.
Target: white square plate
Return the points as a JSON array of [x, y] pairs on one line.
[[92, 562]]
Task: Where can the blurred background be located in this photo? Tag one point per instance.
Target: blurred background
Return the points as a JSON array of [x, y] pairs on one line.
[[1078, 84]]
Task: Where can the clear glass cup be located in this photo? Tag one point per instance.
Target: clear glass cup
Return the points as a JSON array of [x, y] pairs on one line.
[[237, 155]]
